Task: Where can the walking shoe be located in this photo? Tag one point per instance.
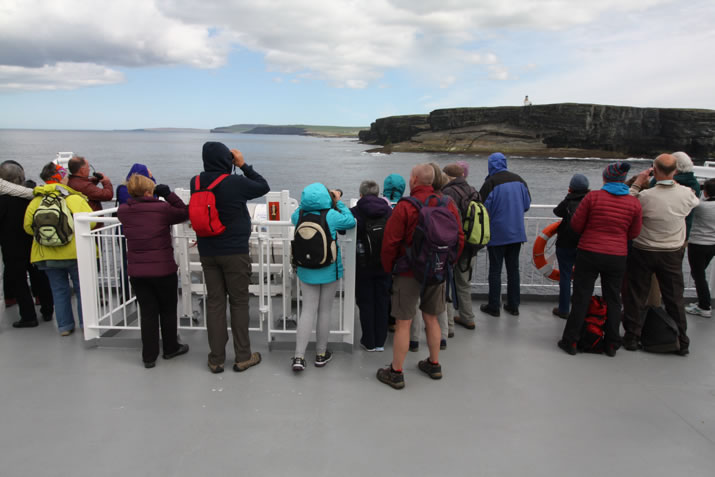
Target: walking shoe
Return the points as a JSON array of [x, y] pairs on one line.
[[610, 350], [442, 344], [511, 310], [25, 324], [557, 312], [298, 364], [450, 334], [466, 323], [694, 309], [391, 378], [365, 348], [149, 364], [67, 332], [570, 348], [183, 349], [255, 358], [379, 349], [414, 345], [432, 370], [216, 368], [630, 342], [322, 359], [486, 309]]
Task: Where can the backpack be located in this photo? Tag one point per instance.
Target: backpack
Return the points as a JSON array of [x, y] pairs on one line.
[[52, 222], [203, 213], [435, 243], [369, 244], [592, 333], [660, 332], [313, 245]]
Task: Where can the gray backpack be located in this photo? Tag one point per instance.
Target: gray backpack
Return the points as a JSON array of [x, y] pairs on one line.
[[52, 223]]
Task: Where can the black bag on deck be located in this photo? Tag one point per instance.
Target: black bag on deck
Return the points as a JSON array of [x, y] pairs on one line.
[[660, 332], [592, 333]]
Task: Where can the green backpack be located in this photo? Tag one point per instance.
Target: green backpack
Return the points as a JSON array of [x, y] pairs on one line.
[[52, 223], [476, 224]]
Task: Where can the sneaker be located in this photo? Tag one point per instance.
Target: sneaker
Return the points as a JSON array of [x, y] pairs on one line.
[[434, 371], [67, 332], [512, 310], [298, 364], [216, 368], [488, 310], [255, 358], [183, 349], [557, 312], [694, 309], [365, 348], [391, 378], [379, 349], [442, 344], [25, 324], [462, 322], [630, 342], [414, 346], [570, 348], [322, 359]]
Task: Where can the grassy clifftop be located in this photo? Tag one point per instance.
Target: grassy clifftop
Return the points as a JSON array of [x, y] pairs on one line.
[[292, 129]]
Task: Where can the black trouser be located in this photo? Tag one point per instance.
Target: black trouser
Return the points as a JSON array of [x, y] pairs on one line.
[[15, 275], [699, 257], [372, 295], [668, 269], [40, 285], [589, 265], [157, 299]]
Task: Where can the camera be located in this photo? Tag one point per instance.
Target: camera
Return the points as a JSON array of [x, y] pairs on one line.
[[98, 175]]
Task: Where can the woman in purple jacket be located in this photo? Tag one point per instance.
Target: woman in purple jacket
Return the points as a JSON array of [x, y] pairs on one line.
[[151, 267]]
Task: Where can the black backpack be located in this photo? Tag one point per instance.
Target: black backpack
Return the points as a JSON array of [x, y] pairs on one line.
[[370, 242], [313, 245], [660, 332]]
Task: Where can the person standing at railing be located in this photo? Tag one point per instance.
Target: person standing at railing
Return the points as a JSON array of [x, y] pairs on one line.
[[146, 222], [701, 249], [80, 181], [606, 219], [224, 258], [392, 190], [567, 241], [506, 197], [58, 262]]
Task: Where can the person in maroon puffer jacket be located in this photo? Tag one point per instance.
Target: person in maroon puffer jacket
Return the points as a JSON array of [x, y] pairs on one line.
[[606, 219], [151, 267]]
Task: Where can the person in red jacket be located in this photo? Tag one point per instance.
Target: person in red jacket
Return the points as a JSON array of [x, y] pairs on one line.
[[406, 288], [146, 222], [606, 219], [81, 182]]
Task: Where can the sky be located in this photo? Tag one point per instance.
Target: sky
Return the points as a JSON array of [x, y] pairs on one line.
[[80, 64]]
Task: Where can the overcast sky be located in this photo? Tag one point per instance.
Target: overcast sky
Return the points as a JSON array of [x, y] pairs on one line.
[[80, 64]]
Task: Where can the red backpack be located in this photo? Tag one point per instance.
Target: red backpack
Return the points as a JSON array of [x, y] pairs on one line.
[[592, 333], [203, 213]]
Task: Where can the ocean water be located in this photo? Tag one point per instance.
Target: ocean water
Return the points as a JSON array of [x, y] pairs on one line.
[[287, 162]]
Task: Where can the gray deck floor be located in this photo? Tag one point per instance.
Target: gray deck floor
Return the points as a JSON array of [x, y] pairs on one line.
[[510, 404]]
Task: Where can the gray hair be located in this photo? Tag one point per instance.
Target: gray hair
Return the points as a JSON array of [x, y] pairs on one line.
[[369, 188], [683, 163], [12, 173]]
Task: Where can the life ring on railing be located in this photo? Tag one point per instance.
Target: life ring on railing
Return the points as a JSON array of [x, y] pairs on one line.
[[542, 262]]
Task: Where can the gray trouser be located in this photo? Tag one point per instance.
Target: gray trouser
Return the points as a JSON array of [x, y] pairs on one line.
[[227, 274], [418, 323], [317, 302], [464, 294]]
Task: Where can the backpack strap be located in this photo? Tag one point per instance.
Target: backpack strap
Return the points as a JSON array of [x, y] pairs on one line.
[[217, 181]]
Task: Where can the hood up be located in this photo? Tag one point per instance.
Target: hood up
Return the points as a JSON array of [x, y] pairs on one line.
[[496, 163], [315, 197], [217, 158]]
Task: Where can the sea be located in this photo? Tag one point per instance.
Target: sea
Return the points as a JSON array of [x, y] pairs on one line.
[[287, 162]]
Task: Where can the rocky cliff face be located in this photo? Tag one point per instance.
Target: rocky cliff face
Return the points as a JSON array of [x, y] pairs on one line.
[[552, 129]]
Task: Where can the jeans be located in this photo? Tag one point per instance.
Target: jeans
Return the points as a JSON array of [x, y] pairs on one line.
[[566, 258], [699, 257], [510, 255], [62, 295]]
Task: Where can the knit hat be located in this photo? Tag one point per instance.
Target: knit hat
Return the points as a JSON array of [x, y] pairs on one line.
[[60, 173], [578, 182], [453, 170], [465, 167], [616, 171]]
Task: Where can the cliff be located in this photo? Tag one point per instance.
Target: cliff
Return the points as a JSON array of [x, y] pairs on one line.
[[565, 129]]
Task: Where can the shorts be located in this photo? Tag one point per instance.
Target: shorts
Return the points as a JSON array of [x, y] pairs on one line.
[[406, 296]]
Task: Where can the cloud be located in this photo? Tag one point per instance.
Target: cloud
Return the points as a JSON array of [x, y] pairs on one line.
[[61, 76], [447, 81]]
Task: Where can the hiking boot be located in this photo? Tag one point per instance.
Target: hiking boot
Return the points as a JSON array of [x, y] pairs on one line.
[[298, 364], [450, 334], [244, 365], [433, 370], [570, 348], [512, 310], [630, 342], [391, 378], [557, 312], [183, 349], [466, 323], [414, 346], [442, 344], [216, 368], [488, 310], [322, 359], [25, 324], [694, 309]]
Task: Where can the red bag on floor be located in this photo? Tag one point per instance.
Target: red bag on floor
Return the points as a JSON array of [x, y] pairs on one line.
[[592, 333]]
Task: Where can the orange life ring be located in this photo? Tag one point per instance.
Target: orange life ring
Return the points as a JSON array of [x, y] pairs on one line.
[[543, 263]]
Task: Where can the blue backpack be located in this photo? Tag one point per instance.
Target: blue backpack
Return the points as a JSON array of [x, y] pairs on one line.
[[435, 243]]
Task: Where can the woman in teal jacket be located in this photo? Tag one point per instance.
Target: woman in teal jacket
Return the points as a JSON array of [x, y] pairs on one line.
[[318, 285]]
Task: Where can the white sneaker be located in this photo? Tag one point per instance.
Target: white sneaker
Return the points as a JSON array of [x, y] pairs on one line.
[[365, 348], [694, 309], [379, 348]]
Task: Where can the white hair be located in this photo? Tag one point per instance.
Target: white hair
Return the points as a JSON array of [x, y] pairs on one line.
[[683, 163]]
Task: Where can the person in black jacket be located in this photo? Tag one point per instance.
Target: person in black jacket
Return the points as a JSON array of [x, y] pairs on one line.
[[224, 258], [567, 241]]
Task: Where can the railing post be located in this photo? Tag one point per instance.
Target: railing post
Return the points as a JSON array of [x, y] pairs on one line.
[[87, 266], [349, 264]]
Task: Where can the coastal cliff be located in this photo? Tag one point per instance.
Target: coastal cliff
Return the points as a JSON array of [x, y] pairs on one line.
[[564, 129]]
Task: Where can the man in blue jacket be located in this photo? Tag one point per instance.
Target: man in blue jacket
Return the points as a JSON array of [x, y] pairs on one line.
[[506, 197], [224, 258]]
